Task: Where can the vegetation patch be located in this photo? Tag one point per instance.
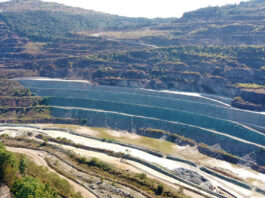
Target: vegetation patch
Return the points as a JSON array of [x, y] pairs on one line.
[[26, 179], [249, 85], [98, 168]]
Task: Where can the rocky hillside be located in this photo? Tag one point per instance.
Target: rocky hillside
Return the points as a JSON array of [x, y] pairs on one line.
[[18, 103], [241, 24], [210, 50]]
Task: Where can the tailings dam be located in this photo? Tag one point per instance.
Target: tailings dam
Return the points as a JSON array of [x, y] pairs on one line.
[[204, 118]]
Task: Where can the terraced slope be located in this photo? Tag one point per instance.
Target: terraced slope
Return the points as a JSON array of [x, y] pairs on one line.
[[178, 113], [240, 24], [213, 50], [18, 103]]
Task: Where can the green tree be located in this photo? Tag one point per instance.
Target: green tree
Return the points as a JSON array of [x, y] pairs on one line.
[[160, 189], [8, 166], [22, 166], [6, 158], [29, 187], [2, 147], [9, 174], [142, 176], [46, 101], [84, 121]]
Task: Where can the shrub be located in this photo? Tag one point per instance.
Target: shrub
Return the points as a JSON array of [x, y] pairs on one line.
[[61, 186], [249, 85], [2, 146], [46, 101], [142, 176], [22, 166], [102, 165], [160, 189], [30, 187], [9, 174], [82, 160], [7, 161], [38, 183], [83, 121]]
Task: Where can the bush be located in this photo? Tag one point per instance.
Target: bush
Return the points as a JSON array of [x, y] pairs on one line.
[[82, 160], [61, 186], [46, 101], [38, 183], [30, 187], [102, 165], [8, 168], [142, 176], [84, 121], [22, 166], [160, 189], [2, 146], [249, 85], [9, 174], [7, 161]]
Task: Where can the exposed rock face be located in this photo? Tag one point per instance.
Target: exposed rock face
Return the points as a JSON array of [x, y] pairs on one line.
[[156, 84], [215, 85], [256, 96], [5, 191], [193, 177], [134, 84], [242, 104], [112, 190], [251, 99], [122, 82]]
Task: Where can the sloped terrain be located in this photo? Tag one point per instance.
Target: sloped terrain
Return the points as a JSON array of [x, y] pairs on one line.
[[221, 48], [128, 75], [200, 118], [17, 102], [231, 25], [75, 150], [53, 21]]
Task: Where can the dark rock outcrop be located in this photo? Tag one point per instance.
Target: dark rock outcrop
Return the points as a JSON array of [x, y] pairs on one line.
[[250, 99]]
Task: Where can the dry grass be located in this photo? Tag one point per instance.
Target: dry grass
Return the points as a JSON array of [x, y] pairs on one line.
[[125, 137], [33, 48], [137, 34]]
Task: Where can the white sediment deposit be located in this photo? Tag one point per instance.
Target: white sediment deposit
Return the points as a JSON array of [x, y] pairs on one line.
[[166, 163]]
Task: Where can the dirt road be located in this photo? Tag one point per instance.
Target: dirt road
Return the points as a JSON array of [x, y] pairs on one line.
[[231, 188], [138, 168]]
